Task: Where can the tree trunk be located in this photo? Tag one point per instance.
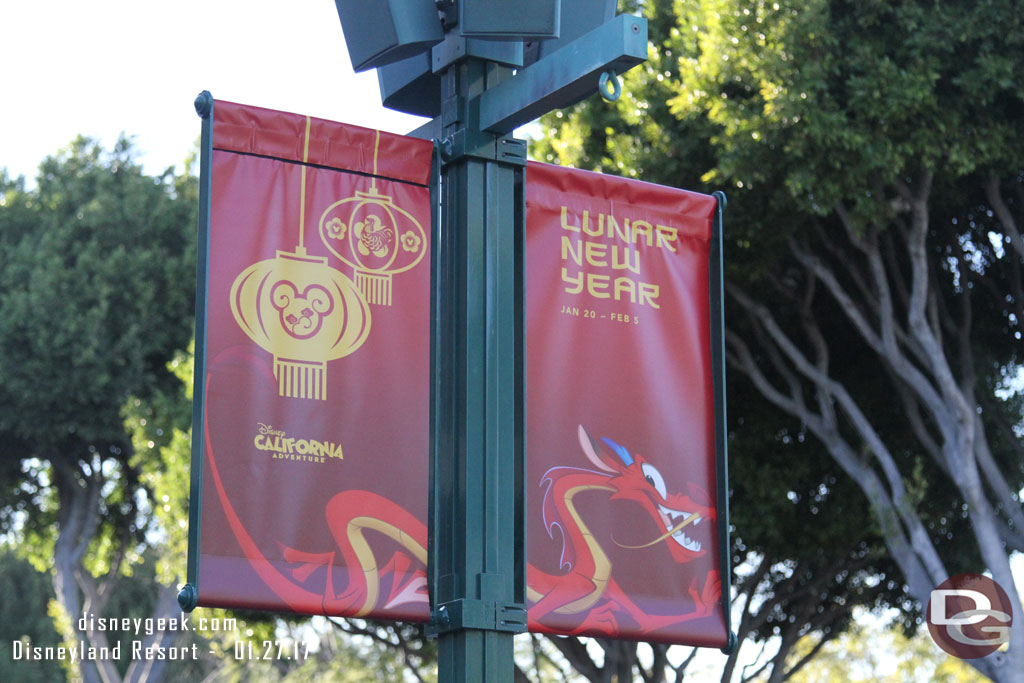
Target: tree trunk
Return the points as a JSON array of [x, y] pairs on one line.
[[152, 671], [78, 508]]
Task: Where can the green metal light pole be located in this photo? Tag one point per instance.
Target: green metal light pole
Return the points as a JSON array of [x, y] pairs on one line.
[[477, 550], [477, 566]]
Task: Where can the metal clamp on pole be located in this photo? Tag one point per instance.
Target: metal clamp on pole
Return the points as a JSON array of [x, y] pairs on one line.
[[484, 146], [464, 139], [477, 614]]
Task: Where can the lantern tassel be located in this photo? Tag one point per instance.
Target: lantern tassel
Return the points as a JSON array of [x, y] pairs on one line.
[[375, 287], [301, 379]]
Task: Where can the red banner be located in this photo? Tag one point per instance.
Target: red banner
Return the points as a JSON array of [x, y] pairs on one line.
[[623, 528], [313, 371], [313, 427]]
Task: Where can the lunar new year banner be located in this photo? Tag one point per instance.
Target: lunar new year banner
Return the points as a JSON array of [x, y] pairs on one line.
[[311, 436], [624, 525]]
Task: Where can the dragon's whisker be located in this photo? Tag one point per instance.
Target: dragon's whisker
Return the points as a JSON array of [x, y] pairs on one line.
[[668, 534]]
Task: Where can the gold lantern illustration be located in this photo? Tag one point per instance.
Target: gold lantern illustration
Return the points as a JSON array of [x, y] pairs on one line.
[[305, 313], [375, 237], [302, 311]]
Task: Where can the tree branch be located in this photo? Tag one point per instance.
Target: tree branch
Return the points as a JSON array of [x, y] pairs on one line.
[[1002, 211], [152, 670], [824, 426], [822, 641], [407, 652], [1006, 499], [576, 653], [885, 345], [681, 669]]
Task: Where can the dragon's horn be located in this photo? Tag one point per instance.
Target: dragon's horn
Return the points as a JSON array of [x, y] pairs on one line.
[[590, 450], [620, 451]]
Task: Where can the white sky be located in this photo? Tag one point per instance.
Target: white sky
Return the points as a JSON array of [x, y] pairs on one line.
[[100, 67]]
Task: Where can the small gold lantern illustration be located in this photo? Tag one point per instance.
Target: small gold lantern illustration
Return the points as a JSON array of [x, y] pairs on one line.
[[305, 313], [375, 237]]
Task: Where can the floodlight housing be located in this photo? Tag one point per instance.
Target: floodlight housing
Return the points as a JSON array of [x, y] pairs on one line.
[[379, 32], [411, 86], [509, 19]]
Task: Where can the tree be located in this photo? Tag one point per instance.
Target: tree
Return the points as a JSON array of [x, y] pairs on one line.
[[96, 293], [874, 248]]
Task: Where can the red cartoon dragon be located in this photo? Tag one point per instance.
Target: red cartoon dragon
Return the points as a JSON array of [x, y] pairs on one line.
[[587, 586], [585, 590]]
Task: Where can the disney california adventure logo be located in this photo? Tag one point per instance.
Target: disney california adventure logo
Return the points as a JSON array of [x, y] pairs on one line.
[[283, 447], [969, 616]]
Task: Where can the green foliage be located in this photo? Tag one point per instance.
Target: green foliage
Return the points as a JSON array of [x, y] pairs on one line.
[[161, 440], [98, 264], [24, 594], [825, 98], [873, 653], [829, 97]]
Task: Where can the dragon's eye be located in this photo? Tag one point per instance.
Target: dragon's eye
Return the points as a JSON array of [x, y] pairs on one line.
[[654, 478]]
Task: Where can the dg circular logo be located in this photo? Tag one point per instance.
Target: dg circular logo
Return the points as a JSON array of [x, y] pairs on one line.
[[969, 616]]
